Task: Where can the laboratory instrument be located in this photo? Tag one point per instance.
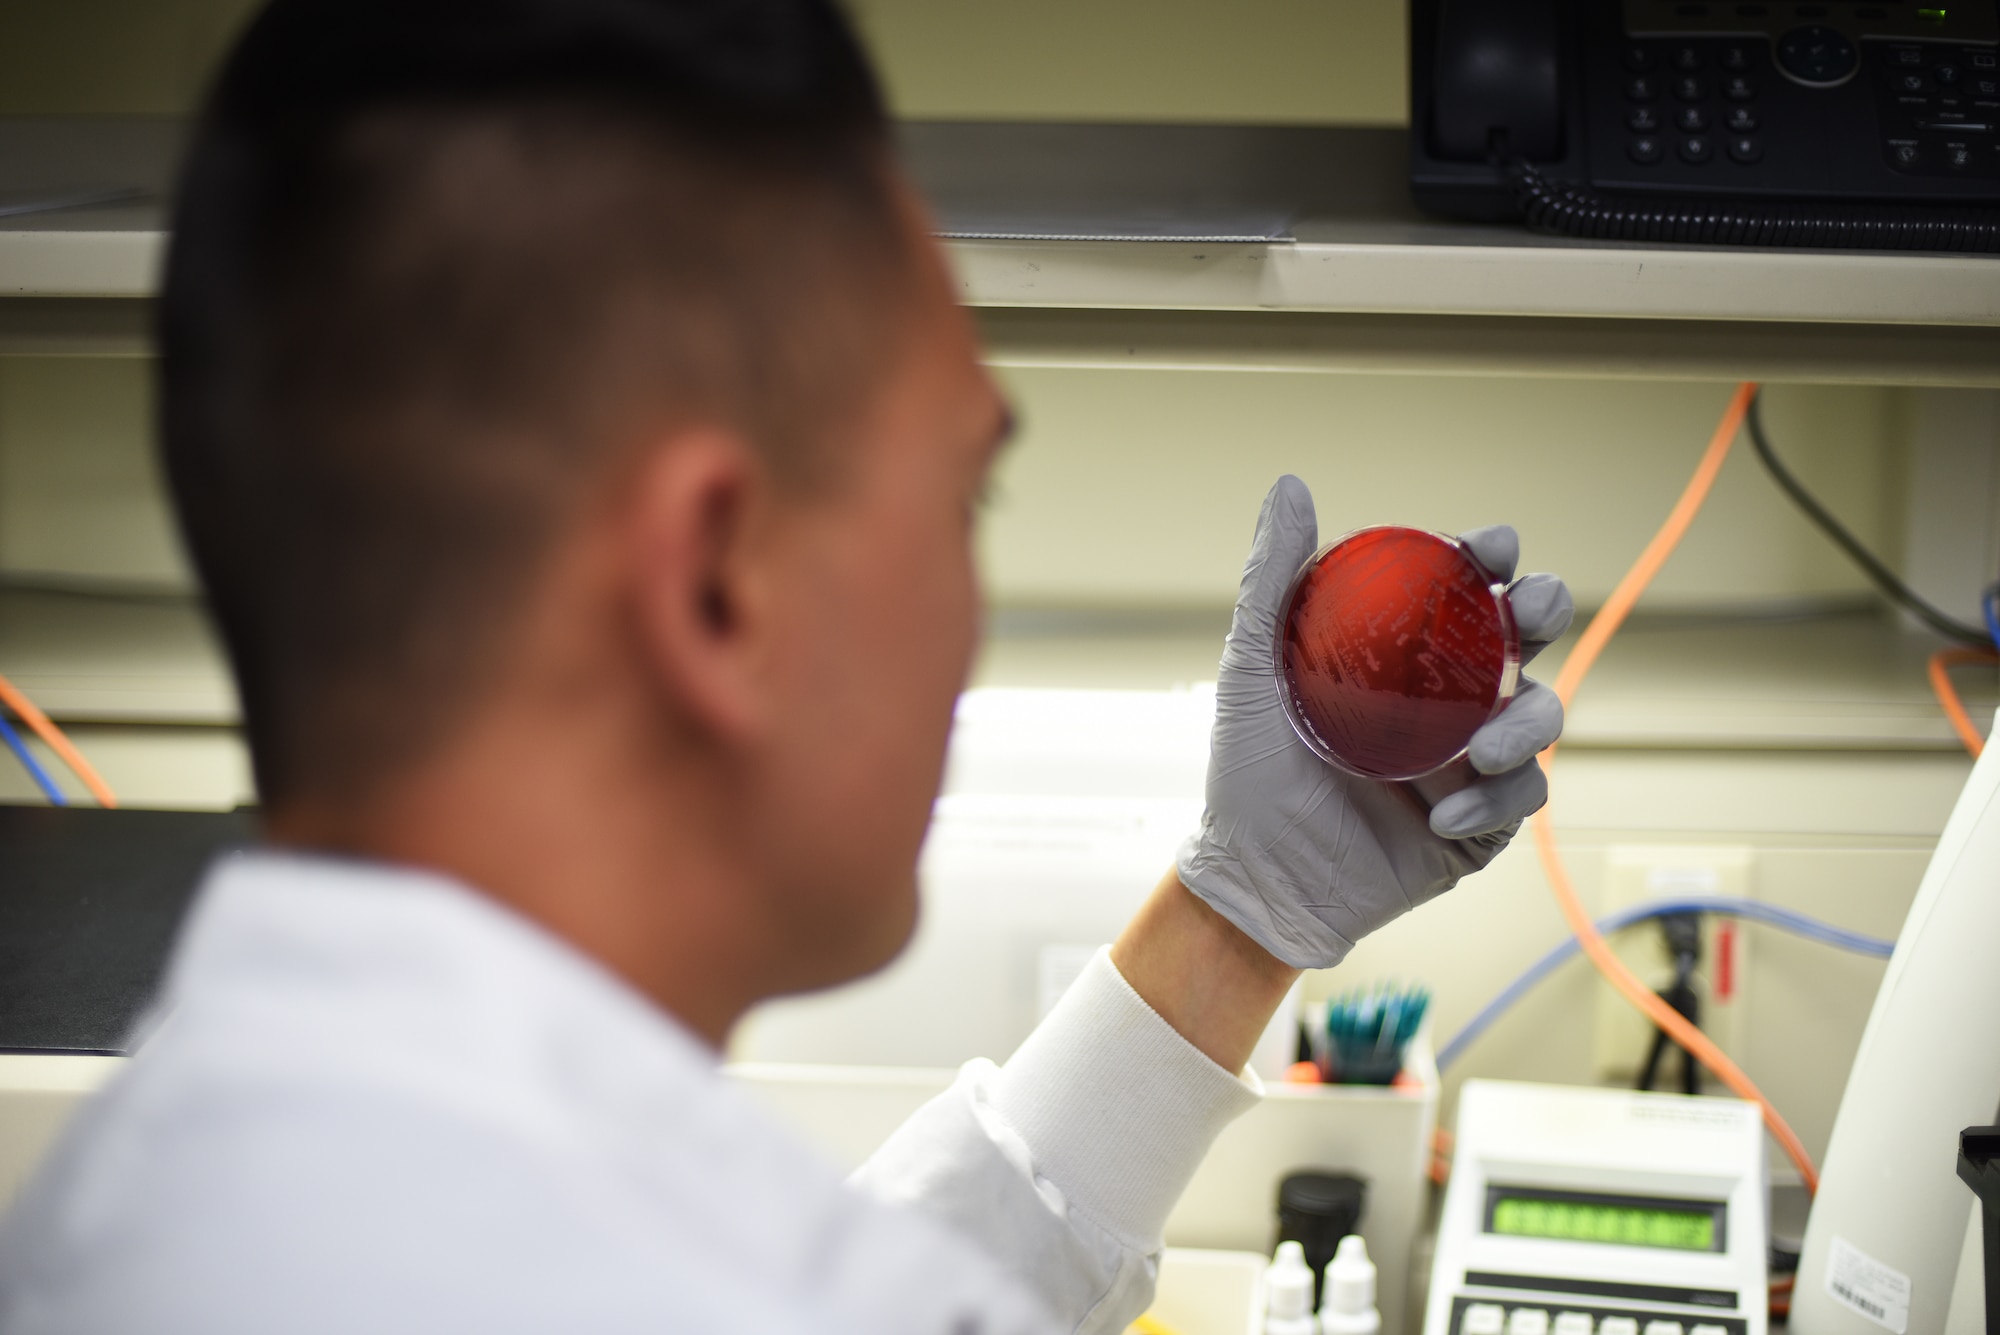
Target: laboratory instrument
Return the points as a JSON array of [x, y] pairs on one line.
[[1575, 1211], [1395, 646], [1883, 1240]]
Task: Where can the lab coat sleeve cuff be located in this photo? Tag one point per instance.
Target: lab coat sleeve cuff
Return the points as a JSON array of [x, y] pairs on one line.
[[1117, 1109]]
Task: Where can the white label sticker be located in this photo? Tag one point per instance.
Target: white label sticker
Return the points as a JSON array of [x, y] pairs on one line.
[[1877, 1291]]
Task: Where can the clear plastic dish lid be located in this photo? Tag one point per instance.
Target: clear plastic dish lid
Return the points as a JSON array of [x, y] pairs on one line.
[[1394, 647]]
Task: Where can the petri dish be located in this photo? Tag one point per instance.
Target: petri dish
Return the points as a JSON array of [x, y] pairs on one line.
[[1395, 646]]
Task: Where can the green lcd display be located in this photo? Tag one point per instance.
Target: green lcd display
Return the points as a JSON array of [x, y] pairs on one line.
[[1595, 1221]]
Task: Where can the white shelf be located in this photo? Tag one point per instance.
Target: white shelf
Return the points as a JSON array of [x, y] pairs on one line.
[[1360, 248], [1369, 284], [1442, 269], [1781, 352], [90, 260], [1358, 245], [104, 251]]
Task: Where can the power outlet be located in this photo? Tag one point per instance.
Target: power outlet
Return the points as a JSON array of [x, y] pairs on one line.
[[1641, 874]]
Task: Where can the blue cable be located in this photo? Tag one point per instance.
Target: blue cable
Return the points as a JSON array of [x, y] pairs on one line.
[[30, 764], [1753, 910], [1989, 603]]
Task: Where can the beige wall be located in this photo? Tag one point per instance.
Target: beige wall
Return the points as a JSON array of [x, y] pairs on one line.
[[1139, 487], [1149, 60], [1251, 60], [79, 493], [130, 57]]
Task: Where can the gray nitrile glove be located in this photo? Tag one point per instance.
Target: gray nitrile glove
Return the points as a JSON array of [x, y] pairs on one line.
[[1306, 859]]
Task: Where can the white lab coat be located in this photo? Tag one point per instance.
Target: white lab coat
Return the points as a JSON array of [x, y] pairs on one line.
[[380, 1102]]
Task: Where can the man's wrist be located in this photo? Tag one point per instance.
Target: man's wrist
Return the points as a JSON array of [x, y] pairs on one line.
[[1216, 986]]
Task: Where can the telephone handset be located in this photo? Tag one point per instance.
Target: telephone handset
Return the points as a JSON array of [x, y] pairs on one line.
[[1847, 123]]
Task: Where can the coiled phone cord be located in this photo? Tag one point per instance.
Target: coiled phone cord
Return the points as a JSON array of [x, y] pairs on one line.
[[1561, 209]]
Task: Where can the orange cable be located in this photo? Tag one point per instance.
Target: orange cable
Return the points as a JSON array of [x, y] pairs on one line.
[[1602, 627], [1616, 608], [1947, 695], [11, 697]]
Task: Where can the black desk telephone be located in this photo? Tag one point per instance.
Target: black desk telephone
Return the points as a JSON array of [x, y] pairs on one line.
[[1836, 124]]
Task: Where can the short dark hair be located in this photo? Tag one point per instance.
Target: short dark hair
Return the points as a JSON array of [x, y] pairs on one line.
[[433, 260]]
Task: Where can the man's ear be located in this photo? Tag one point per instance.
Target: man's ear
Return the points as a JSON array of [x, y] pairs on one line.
[[696, 519]]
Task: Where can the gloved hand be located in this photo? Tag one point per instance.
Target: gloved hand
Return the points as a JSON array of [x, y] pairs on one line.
[[1307, 859]]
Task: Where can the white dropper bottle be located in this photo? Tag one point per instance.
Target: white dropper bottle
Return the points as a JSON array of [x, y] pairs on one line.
[[1288, 1293], [1347, 1299]]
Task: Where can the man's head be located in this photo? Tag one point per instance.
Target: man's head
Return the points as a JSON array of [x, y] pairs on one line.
[[587, 356]]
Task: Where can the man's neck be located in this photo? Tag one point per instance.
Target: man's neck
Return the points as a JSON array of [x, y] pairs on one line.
[[578, 851]]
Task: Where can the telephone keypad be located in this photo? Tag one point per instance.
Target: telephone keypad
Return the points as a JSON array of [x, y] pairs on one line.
[[1931, 123], [1715, 90]]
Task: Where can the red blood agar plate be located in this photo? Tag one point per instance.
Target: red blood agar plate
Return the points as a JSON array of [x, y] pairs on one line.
[[1395, 647]]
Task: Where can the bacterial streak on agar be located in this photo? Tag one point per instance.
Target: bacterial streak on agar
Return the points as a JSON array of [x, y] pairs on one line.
[[1396, 646]]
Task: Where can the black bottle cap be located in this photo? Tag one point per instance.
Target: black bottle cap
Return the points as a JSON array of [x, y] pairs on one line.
[[1325, 1194]]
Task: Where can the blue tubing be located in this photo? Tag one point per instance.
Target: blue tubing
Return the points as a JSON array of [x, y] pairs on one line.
[[30, 764]]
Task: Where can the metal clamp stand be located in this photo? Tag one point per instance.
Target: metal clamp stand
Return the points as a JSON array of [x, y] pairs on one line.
[[1979, 1168]]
